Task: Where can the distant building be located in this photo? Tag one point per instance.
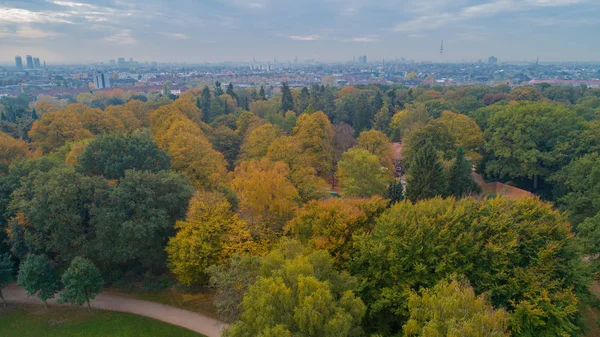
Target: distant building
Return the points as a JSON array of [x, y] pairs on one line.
[[19, 62], [362, 59], [112, 62], [101, 81], [121, 62], [29, 61], [36, 63], [492, 60]]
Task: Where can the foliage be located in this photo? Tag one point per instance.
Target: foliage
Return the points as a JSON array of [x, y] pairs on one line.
[[54, 129], [258, 141], [12, 150], [210, 234], [82, 281], [377, 143], [301, 294], [426, 177], [38, 278], [519, 251], [464, 130], [287, 100], [395, 192], [361, 174], [112, 155], [265, 192], [452, 309], [330, 224], [460, 178], [7, 272], [315, 133]]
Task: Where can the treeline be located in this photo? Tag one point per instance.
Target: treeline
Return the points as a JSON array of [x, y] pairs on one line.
[[232, 188]]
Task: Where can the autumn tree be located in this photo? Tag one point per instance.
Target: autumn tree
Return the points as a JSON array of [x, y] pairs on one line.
[[265, 192], [82, 281], [425, 177], [98, 122], [7, 273], [361, 174], [405, 120], [464, 130], [378, 144], [302, 101], [453, 309], [258, 141], [54, 129], [330, 224], [12, 150], [38, 278], [315, 133], [210, 234]]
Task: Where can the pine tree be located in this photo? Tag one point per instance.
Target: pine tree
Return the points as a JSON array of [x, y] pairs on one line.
[[218, 89], [395, 192], [460, 180], [287, 100], [303, 100], [261, 94], [230, 91], [425, 175]]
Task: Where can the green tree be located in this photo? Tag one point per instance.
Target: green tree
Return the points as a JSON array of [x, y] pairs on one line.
[[426, 175], [218, 89], [82, 281], [262, 96], [7, 273], [395, 192], [531, 140], [361, 174], [452, 309], [589, 237], [204, 104], [303, 100], [287, 100], [112, 155], [460, 178], [299, 294], [37, 277]]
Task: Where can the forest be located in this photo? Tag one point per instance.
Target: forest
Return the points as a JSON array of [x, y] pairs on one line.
[[285, 204]]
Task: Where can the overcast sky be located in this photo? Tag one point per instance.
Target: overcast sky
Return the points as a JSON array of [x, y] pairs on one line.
[[238, 30]]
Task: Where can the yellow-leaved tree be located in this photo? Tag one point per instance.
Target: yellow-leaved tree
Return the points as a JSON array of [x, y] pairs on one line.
[[465, 130], [54, 129], [315, 133], [258, 141], [12, 149], [266, 194], [210, 234], [377, 143]]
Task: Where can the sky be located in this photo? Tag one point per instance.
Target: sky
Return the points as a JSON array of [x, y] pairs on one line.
[[195, 31]]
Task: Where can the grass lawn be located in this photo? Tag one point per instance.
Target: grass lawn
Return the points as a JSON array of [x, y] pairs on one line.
[[197, 302], [37, 321]]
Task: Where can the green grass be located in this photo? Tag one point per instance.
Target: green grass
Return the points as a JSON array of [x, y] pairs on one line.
[[36, 321]]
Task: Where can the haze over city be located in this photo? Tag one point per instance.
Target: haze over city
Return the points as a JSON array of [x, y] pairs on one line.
[[331, 30]]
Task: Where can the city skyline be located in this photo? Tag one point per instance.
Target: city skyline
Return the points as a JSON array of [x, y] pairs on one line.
[[86, 31]]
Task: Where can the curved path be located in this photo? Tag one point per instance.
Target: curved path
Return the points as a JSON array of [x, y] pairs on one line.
[[183, 318]]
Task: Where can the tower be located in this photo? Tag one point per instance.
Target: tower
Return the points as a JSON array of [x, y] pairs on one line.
[[442, 47], [29, 59], [19, 62]]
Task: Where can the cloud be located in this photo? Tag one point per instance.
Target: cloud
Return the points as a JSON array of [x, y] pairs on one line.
[[364, 39], [19, 15], [251, 4], [305, 38], [176, 36], [123, 37]]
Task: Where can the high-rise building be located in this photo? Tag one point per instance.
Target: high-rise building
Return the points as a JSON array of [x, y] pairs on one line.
[[101, 81], [19, 62], [36, 62], [121, 62], [112, 62], [493, 60], [29, 61]]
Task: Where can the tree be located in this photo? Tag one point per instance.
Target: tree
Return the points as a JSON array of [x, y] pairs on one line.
[[426, 175], [464, 130], [436, 134], [230, 91], [204, 105], [12, 150], [83, 281], [395, 192], [299, 294], [343, 140], [589, 237], [218, 89], [403, 121], [521, 252], [531, 140], [227, 142], [453, 309], [98, 122], [303, 100], [315, 133], [460, 179], [38, 278], [258, 141], [265, 192], [112, 155], [7, 273], [361, 174], [378, 144], [261, 95], [210, 235], [287, 100], [331, 224], [54, 129]]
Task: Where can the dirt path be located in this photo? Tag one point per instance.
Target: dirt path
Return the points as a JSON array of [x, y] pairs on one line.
[[183, 318]]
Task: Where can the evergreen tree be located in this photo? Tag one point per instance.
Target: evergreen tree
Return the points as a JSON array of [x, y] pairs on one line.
[[460, 180], [425, 175], [230, 91], [303, 100], [7, 273], [218, 89], [38, 278], [376, 103], [395, 192], [287, 100], [204, 101], [82, 281], [262, 96]]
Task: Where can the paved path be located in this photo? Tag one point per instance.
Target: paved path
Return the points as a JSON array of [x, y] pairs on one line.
[[183, 318]]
